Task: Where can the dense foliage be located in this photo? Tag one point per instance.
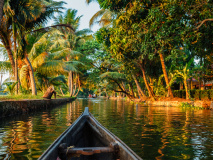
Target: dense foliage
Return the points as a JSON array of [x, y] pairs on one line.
[[144, 49]]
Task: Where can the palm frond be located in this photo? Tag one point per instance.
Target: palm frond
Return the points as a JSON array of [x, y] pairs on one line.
[[5, 66], [51, 67], [24, 71], [72, 65], [83, 32], [39, 60], [73, 54], [97, 15], [59, 80]]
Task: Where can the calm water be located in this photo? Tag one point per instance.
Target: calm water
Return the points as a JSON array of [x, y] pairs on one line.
[[152, 132]]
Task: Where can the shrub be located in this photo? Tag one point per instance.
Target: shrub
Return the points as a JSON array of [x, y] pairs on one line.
[[176, 93], [183, 94], [204, 95], [197, 94], [192, 93]]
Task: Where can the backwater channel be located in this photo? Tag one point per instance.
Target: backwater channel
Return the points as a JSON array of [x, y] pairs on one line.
[[153, 132]]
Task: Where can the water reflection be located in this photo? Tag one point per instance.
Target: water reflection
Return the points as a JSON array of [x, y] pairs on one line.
[[152, 132]]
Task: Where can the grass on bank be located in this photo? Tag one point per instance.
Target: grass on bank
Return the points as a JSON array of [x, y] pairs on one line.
[[29, 96]]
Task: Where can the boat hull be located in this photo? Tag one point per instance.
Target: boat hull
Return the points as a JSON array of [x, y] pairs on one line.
[[86, 131]]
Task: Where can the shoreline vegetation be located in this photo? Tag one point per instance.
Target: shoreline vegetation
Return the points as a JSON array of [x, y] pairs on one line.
[[143, 50], [25, 106], [39, 96], [204, 104]]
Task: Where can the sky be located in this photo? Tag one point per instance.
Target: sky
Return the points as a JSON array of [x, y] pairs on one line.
[[83, 9]]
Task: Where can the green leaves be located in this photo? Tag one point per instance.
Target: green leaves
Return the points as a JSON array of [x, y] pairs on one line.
[[113, 76], [10, 87]]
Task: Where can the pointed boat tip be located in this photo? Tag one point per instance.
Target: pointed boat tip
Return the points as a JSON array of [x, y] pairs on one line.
[[86, 111]]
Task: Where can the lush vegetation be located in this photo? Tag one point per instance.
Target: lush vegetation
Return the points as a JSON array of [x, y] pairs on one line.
[[144, 49]]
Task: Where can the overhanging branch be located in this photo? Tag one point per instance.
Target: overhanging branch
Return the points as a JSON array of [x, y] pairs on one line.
[[203, 22]]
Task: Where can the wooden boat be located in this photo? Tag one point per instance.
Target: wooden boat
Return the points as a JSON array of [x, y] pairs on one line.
[[87, 139]]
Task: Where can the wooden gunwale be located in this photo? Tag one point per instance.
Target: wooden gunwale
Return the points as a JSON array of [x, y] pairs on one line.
[[125, 152]]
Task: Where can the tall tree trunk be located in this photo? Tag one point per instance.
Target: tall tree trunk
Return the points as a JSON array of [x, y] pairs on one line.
[[165, 75], [186, 88], [151, 93], [10, 55], [69, 76], [140, 91], [32, 79], [74, 84], [1, 10], [71, 83], [79, 85], [16, 65], [132, 91]]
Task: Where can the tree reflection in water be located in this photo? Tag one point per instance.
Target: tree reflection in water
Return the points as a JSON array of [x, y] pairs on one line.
[[152, 132]]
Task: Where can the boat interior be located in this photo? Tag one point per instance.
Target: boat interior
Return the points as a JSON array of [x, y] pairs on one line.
[[86, 142]]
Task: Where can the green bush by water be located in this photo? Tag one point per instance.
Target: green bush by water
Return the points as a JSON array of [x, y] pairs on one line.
[[196, 94]]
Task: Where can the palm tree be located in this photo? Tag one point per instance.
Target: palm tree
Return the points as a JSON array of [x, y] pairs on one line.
[[69, 42], [104, 17], [33, 13], [185, 74]]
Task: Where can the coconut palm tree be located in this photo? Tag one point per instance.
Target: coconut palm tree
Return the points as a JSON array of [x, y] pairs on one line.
[[33, 13], [104, 16], [185, 74], [69, 41]]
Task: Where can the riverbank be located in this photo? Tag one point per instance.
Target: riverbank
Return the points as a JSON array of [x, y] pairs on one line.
[[16, 107], [173, 102]]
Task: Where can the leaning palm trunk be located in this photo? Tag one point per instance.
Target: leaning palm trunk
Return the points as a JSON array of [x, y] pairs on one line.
[[79, 85], [132, 91], [150, 91], [140, 91], [10, 54], [16, 66], [32, 79], [71, 83], [165, 75], [186, 88]]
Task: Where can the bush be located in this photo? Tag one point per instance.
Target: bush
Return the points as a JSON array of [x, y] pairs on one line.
[[204, 95], [183, 94], [176, 93], [192, 93], [179, 93], [197, 94]]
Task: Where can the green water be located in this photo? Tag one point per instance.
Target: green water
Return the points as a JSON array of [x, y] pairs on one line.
[[152, 132]]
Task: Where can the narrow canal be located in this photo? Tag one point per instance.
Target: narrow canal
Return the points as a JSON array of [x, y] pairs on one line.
[[152, 132]]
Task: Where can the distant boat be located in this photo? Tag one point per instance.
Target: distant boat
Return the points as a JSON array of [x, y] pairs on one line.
[[87, 139], [92, 96]]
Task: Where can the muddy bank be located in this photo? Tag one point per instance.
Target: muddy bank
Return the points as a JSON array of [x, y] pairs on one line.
[[9, 108]]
